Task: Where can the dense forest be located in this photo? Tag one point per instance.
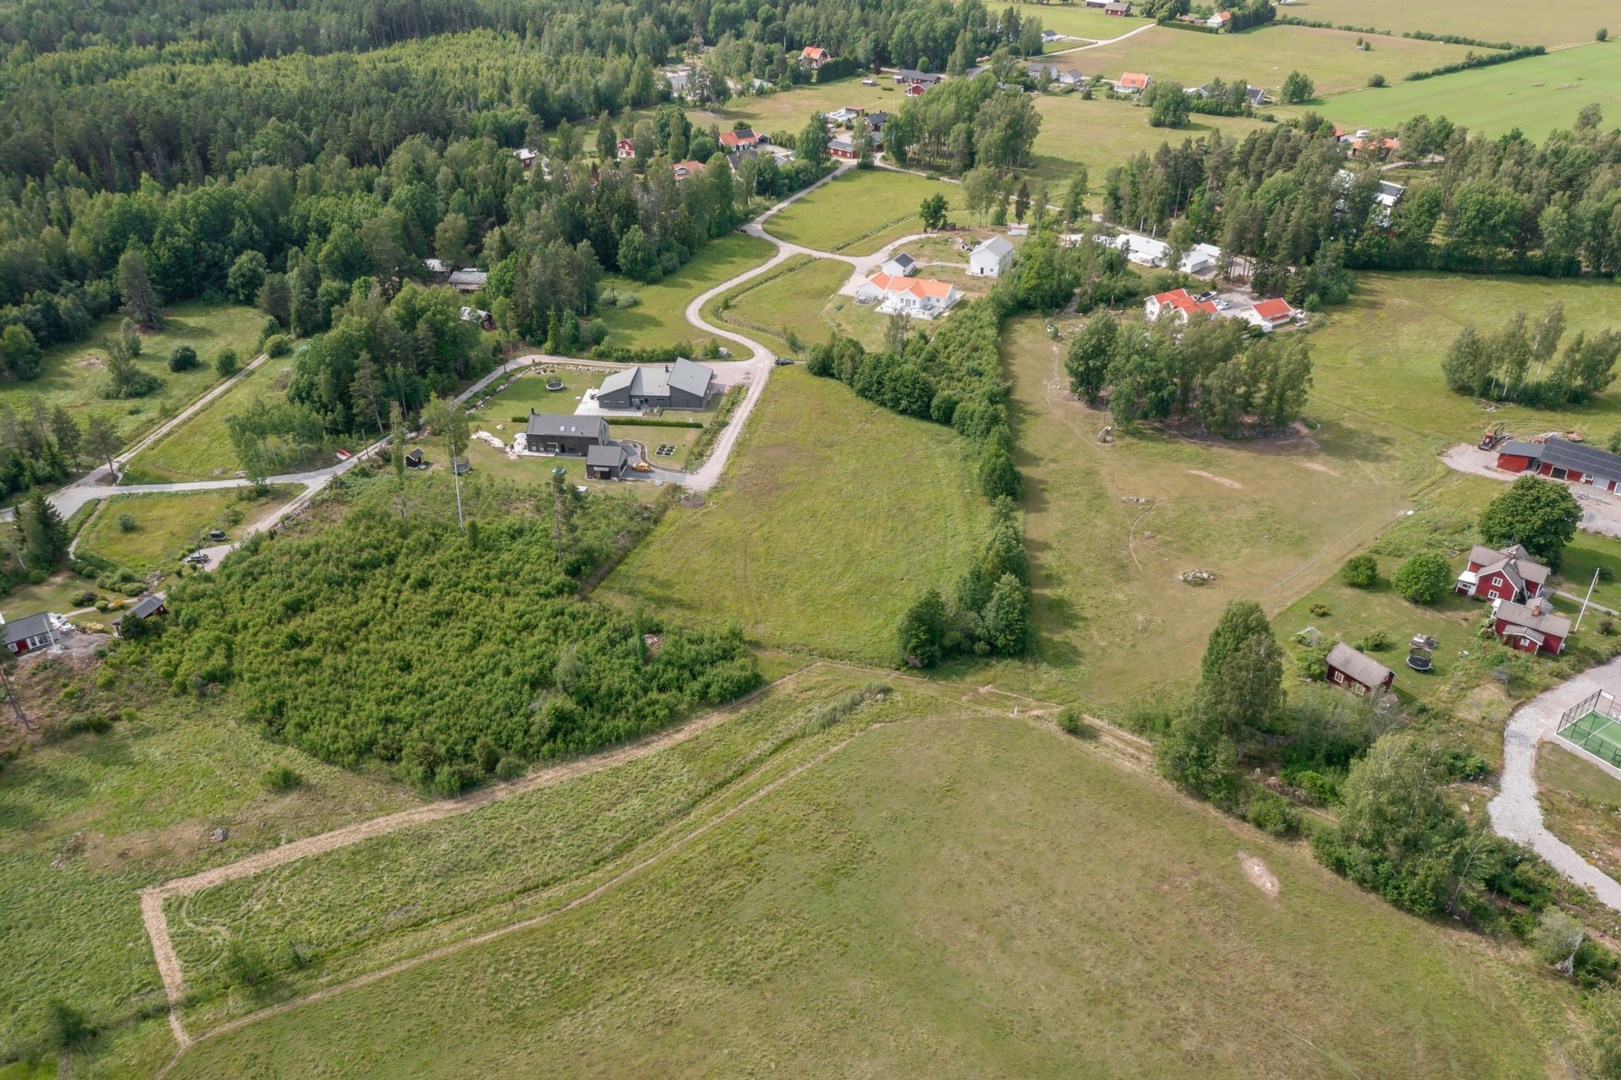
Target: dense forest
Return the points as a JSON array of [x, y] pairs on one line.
[[1290, 199], [410, 642]]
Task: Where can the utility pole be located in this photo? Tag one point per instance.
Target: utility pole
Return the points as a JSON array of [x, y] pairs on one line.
[[1591, 585], [11, 696]]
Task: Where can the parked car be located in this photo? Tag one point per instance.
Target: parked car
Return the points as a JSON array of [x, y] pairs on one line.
[[869, 81], [1222, 305], [217, 535], [1202, 297], [784, 361]]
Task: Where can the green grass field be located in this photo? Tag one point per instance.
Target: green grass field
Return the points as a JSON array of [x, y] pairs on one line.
[[774, 548], [860, 212], [660, 318], [790, 111], [170, 525], [200, 449], [903, 909], [1560, 24], [72, 373], [791, 300], [1102, 134], [1265, 56], [1536, 95], [55, 593], [1078, 20], [1560, 771], [1577, 799]]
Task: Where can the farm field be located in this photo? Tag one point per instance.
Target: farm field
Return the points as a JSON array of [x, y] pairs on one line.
[[200, 449], [1265, 55], [1537, 95], [1560, 24], [909, 880], [1111, 526], [71, 374], [860, 212], [1080, 21], [170, 525], [773, 548], [660, 318], [789, 301], [1102, 134]]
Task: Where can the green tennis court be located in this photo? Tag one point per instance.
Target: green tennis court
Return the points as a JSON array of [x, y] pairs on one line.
[[1598, 734]]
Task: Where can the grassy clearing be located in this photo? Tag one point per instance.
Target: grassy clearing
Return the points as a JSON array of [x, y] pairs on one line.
[[1579, 805], [860, 212], [1101, 134], [200, 449], [790, 111], [1562, 24], [511, 859], [660, 318], [1079, 21], [72, 373], [901, 909], [169, 526], [1562, 772], [1582, 556], [1536, 95], [775, 550], [87, 822], [55, 593], [791, 300], [1265, 56]]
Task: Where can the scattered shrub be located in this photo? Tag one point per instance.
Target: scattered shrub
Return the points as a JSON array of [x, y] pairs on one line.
[[245, 966], [509, 768], [1460, 764], [1317, 787], [225, 363], [1374, 641], [1360, 571], [1272, 813], [126, 522], [1603, 34], [1606, 626], [1072, 721], [184, 358], [281, 778], [1376, 81], [1322, 611]]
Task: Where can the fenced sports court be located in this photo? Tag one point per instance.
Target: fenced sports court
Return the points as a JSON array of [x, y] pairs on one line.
[[1594, 724]]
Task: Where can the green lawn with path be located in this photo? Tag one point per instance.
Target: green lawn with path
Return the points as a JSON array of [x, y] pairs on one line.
[[787, 302], [659, 318], [860, 212], [169, 525], [201, 448]]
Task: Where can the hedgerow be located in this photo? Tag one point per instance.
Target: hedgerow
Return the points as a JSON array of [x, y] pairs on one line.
[[408, 643]]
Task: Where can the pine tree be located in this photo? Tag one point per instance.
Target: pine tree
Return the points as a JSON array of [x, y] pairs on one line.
[[141, 300]]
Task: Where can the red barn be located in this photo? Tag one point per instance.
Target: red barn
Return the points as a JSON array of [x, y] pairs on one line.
[[1357, 672], [1509, 574], [1561, 459], [1531, 627]]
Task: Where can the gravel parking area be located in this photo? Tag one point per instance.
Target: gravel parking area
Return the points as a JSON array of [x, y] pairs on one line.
[[1601, 510]]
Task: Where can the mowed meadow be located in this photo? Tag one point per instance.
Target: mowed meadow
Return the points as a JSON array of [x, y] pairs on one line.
[[891, 909]]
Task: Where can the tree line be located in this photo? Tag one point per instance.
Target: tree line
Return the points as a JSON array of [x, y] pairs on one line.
[[1521, 361]]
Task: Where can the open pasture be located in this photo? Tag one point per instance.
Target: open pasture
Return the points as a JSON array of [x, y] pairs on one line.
[[1078, 21], [201, 449], [789, 303], [860, 212], [1537, 95], [168, 526], [774, 549], [900, 908], [1101, 134], [1265, 55], [659, 317], [1566, 23]]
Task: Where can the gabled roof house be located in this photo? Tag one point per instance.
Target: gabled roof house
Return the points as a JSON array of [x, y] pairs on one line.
[[1501, 574], [1357, 671]]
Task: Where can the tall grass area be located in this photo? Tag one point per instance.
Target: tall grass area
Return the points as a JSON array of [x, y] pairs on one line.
[[903, 909], [834, 515], [201, 448], [163, 528]]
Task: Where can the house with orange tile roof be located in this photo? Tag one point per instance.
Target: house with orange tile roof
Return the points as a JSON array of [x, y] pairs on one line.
[[1178, 302], [922, 297], [1132, 82]]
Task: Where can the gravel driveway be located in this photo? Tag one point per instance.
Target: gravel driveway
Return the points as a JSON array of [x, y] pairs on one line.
[[1515, 813], [1601, 510]]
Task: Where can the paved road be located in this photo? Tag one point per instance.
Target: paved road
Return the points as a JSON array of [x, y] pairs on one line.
[[1515, 813]]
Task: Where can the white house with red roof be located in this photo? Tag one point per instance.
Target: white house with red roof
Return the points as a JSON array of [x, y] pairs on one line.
[[1177, 301], [627, 150], [1268, 314], [814, 56], [1132, 82], [922, 297]]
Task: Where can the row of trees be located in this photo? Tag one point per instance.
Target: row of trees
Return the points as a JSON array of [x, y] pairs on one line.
[[1210, 370], [1521, 361], [988, 611], [962, 123]]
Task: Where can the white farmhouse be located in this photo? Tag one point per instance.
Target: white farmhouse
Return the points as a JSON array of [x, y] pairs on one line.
[[991, 257]]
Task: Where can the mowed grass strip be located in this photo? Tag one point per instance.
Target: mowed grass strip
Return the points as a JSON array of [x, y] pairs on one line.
[[201, 448], [904, 909], [1567, 23], [660, 319], [510, 859], [168, 526], [73, 373], [788, 301], [1537, 95], [833, 516], [1265, 56], [859, 212]]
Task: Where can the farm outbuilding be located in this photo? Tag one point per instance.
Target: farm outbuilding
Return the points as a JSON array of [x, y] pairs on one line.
[[148, 607], [605, 462], [550, 433], [1357, 671], [1561, 459]]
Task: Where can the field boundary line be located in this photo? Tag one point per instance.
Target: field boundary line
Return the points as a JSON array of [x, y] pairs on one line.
[[525, 924], [153, 898]]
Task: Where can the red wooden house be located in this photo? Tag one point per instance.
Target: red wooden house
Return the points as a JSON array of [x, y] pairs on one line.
[[1357, 672], [1531, 627], [627, 150], [1561, 459], [1509, 574], [29, 633]]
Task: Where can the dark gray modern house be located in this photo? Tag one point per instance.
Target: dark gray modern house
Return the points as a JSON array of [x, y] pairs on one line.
[[681, 385], [549, 433], [605, 462]]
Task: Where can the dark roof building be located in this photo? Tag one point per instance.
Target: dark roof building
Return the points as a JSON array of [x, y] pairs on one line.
[[468, 280], [1561, 459], [605, 462], [549, 433], [28, 633], [682, 385], [1357, 671]]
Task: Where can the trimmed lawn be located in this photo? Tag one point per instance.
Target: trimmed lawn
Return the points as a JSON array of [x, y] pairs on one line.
[[56, 593], [72, 373], [660, 318], [1536, 95], [1264, 56], [1566, 23], [774, 549], [791, 300], [528, 391], [200, 449], [1582, 556], [860, 212], [1579, 802], [902, 909], [169, 526], [1080, 21], [1562, 772], [1101, 134]]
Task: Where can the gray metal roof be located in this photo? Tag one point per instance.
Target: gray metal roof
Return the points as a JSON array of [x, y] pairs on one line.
[[1358, 665], [691, 377], [1536, 615], [900, 258], [146, 606], [26, 627], [468, 277], [555, 425], [1590, 460], [996, 245]]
